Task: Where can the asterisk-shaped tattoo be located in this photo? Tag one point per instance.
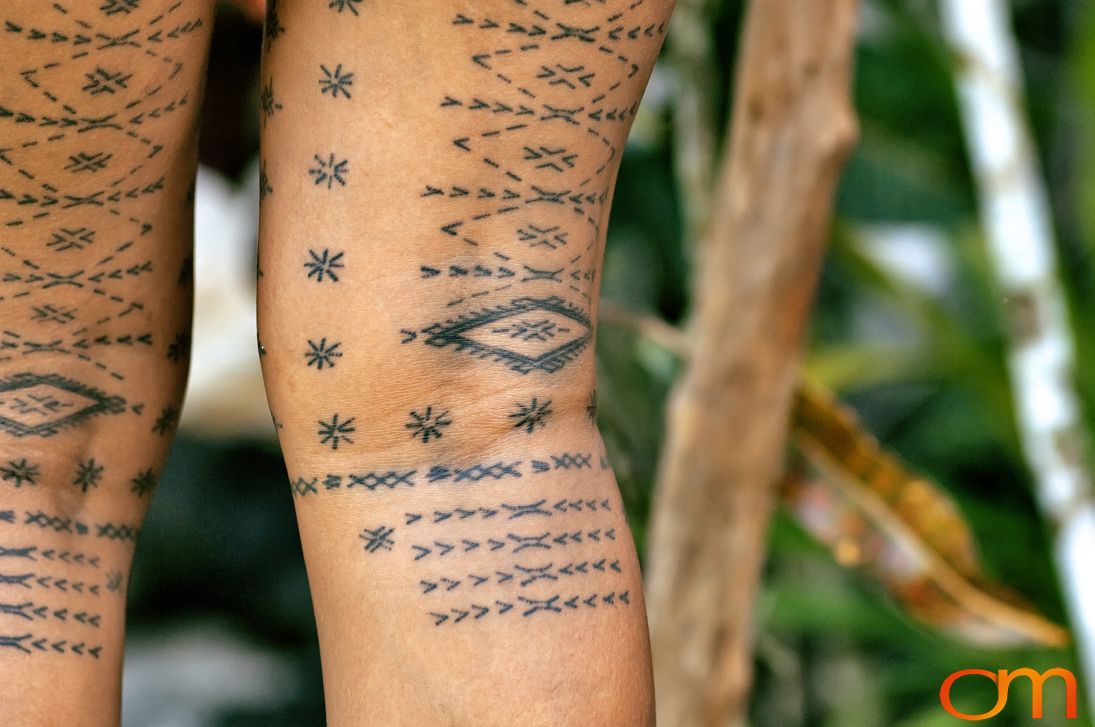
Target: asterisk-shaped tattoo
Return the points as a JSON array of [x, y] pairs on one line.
[[323, 265], [322, 354], [335, 432], [20, 473], [88, 474], [531, 415], [335, 82], [340, 5], [330, 170], [166, 421], [143, 483], [427, 425]]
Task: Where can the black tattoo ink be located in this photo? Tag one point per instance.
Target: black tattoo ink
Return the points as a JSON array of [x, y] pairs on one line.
[[530, 415], [20, 472], [113, 7], [379, 538], [43, 404], [270, 105], [428, 424], [167, 420], [334, 432], [272, 28], [499, 334], [326, 172], [335, 81], [178, 350], [264, 182], [322, 354], [88, 474], [143, 483], [324, 265], [341, 5]]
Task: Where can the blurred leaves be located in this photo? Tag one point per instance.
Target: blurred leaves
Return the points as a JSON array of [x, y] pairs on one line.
[[872, 512]]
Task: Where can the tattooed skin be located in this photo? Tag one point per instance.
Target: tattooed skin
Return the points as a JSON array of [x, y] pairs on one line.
[[536, 148], [92, 124], [98, 107]]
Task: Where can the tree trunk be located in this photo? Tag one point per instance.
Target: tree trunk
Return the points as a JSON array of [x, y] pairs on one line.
[[791, 129]]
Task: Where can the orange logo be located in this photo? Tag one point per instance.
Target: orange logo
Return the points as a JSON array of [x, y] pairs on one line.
[[1003, 679]]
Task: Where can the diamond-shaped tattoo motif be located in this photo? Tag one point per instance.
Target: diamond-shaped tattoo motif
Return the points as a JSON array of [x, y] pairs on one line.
[[528, 334], [42, 404]]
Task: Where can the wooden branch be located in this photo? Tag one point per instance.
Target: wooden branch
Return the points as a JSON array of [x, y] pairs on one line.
[[792, 127]]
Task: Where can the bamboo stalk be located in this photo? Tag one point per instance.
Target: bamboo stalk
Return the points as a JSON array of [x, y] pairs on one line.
[[1041, 357]]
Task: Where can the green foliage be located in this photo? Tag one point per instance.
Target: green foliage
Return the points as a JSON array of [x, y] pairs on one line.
[[923, 364]]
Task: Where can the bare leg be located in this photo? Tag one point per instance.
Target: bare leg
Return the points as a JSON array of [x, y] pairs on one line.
[[98, 103], [437, 180]]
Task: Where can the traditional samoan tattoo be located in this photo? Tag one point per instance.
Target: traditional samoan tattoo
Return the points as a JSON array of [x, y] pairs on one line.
[[591, 407], [143, 483], [526, 334], [20, 472], [51, 595], [166, 422], [428, 424], [88, 474], [43, 404], [178, 351], [322, 354], [334, 432], [522, 576], [510, 511], [264, 182], [536, 148], [344, 5], [101, 96], [74, 526], [272, 28], [453, 551], [324, 265], [435, 475], [531, 414], [270, 105], [335, 81], [379, 538], [329, 171]]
